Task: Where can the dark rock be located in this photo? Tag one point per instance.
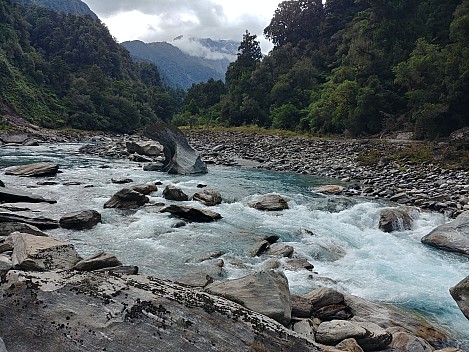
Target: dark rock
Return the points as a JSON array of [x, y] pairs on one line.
[[10, 195], [301, 307], [154, 166], [324, 296], [140, 158], [259, 248], [180, 158], [79, 220], [144, 148], [34, 170], [208, 196], [122, 180], [173, 193], [121, 269], [460, 294], [391, 220], [298, 264], [40, 222], [402, 341], [333, 312], [191, 213], [99, 261], [269, 202], [2, 184], [126, 199], [145, 189], [7, 228]]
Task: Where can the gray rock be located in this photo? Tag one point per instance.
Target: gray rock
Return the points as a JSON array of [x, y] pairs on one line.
[[330, 189], [191, 213], [265, 292], [376, 338], [300, 307], [148, 148], [208, 196], [280, 250], [14, 138], [126, 199], [171, 192], [333, 332], [140, 158], [146, 188], [402, 341], [269, 202], [40, 222], [349, 345], [7, 228], [154, 166], [122, 180], [80, 220], [460, 294], [89, 311], [121, 269], [298, 264], [99, 261], [323, 296], [10, 195], [180, 158], [41, 253], [5, 264], [451, 237], [259, 248], [305, 328], [34, 170], [391, 220]]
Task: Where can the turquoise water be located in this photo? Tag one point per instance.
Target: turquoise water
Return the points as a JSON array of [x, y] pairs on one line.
[[342, 240]]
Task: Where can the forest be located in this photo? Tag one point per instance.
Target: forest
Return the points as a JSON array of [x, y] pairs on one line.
[[353, 67]]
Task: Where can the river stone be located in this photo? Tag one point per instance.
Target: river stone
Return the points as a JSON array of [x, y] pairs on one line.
[[402, 341], [171, 192], [259, 248], [34, 170], [10, 195], [140, 158], [300, 307], [90, 311], [305, 328], [451, 237], [375, 339], [7, 228], [154, 166], [349, 345], [191, 213], [180, 157], [122, 180], [146, 188], [391, 220], [41, 253], [14, 138], [330, 189], [99, 261], [460, 294], [148, 148], [265, 292], [323, 296], [126, 199], [333, 332], [80, 220], [280, 250], [208, 196], [40, 222], [269, 202]]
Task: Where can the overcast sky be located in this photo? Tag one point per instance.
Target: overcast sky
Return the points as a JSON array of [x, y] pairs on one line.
[[163, 20]]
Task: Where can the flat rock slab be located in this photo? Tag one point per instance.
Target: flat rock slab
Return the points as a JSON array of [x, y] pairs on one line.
[[10, 195], [80, 220], [460, 294], [89, 311], [269, 202], [40, 222], [34, 170], [191, 213], [7, 228]]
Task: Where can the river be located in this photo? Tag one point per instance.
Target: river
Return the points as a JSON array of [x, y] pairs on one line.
[[339, 235]]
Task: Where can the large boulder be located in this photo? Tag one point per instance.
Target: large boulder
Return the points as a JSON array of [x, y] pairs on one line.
[[40, 222], [7, 228], [89, 311], [451, 237], [460, 294], [34, 170], [208, 196], [10, 195], [265, 292], [171, 192], [391, 220], [126, 199], [269, 202], [148, 148], [180, 157], [41, 253], [99, 261], [191, 213], [80, 220], [146, 188]]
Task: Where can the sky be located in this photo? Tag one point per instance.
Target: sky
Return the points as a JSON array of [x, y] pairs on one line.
[[163, 20]]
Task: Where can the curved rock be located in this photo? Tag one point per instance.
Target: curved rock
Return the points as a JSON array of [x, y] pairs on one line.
[[191, 214], [460, 294], [10, 195], [126, 199], [34, 170], [269, 202], [80, 220]]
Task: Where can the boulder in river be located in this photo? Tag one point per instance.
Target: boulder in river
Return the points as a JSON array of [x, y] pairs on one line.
[[391, 220], [154, 166], [148, 148], [208, 196], [126, 199], [191, 213], [171, 192], [80, 220], [460, 294], [7, 228], [10, 195], [330, 189], [269, 202], [180, 157], [99, 261], [146, 188], [265, 292], [40, 222], [34, 170], [451, 237]]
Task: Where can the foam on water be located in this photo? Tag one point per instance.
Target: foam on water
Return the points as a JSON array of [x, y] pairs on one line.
[[339, 235]]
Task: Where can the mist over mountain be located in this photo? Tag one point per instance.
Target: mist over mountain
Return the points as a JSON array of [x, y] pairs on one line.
[[74, 7]]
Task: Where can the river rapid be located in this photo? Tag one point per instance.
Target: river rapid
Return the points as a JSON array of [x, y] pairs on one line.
[[339, 235]]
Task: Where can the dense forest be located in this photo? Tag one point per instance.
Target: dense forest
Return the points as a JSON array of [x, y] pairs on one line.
[[63, 70], [359, 67]]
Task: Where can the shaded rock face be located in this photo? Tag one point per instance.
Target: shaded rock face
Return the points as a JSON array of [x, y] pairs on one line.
[[265, 292], [7, 228], [126, 199], [34, 170], [173, 193], [82, 312], [79, 220], [10, 195], [40, 222], [191, 213], [451, 237], [180, 158], [208, 196], [460, 294], [269, 202], [391, 220]]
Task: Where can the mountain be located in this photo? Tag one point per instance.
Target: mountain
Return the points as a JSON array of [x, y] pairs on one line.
[[187, 61], [74, 7]]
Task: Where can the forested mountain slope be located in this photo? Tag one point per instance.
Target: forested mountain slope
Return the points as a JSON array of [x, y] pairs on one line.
[[74, 7]]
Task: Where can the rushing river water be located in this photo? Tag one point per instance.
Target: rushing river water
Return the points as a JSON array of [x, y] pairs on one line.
[[342, 238]]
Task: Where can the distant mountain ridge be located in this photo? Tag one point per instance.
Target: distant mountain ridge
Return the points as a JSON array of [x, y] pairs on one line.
[[74, 7]]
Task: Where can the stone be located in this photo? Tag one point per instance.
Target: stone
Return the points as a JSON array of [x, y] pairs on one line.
[[14, 138], [99, 261], [330, 189], [149, 148], [40, 222], [259, 248], [305, 328], [265, 292], [7, 228], [375, 339], [323, 296], [10, 195], [298, 264], [132, 313], [80, 220], [171, 192], [349, 345], [191, 213], [402, 341], [451, 237], [300, 307], [126, 199], [180, 157], [34, 170], [41, 253], [269, 202], [333, 312], [122, 180], [460, 294], [333, 332], [2, 184], [146, 188], [5, 264], [140, 158], [280, 250], [121, 269], [391, 220], [154, 166], [208, 196]]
